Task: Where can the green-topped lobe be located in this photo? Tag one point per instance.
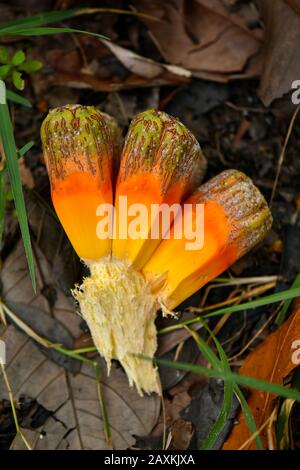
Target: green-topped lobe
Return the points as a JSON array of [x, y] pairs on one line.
[[117, 138], [245, 206], [77, 137], [159, 142]]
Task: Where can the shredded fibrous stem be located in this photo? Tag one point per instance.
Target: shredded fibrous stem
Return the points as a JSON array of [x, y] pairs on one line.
[[120, 309]]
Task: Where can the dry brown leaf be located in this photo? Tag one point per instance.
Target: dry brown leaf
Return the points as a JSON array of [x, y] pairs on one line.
[[203, 36], [271, 361], [86, 81], [282, 53], [76, 421], [17, 288], [143, 66], [145, 72], [182, 432]]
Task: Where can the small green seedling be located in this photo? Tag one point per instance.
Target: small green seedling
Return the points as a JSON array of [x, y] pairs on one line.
[[13, 67]]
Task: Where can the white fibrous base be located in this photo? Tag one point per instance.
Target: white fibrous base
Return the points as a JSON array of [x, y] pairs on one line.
[[120, 310]]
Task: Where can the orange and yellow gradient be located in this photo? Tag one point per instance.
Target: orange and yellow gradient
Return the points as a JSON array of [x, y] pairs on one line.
[[161, 163], [236, 218], [79, 146]]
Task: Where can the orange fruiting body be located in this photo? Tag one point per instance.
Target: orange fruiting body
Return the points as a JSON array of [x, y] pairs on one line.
[[79, 144], [236, 218], [132, 278], [161, 163]]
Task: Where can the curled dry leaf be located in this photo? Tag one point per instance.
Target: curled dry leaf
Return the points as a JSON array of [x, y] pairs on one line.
[[282, 53], [273, 361], [204, 36], [143, 66], [143, 71], [182, 433]]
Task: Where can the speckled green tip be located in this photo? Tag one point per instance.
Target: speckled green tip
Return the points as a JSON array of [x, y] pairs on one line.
[[159, 142], [78, 134]]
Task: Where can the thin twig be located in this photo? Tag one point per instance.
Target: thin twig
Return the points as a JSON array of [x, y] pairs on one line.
[[282, 153], [272, 420], [242, 109], [12, 404], [245, 295], [103, 409], [164, 437], [259, 331], [44, 341], [254, 435], [236, 282], [2, 315], [24, 327]]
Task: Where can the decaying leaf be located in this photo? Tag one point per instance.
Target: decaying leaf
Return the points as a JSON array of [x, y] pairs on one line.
[[273, 361], [76, 421], [282, 53], [204, 410], [26, 175], [17, 288], [143, 66], [204, 36], [83, 81], [181, 434]]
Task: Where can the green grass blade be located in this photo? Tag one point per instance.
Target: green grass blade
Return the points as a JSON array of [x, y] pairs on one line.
[[247, 381], [249, 418], [25, 148], [42, 19], [228, 391], [103, 409], [2, 202], [37, 20], [15, 98], [222, 418], [44, 31], [267, 300], [207, 352], [9, 148], [283, 312], [219, 365]]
